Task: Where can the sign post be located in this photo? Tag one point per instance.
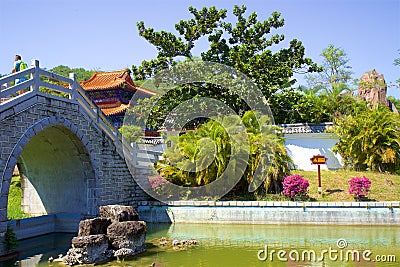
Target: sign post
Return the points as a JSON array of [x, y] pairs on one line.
[[319, 159]]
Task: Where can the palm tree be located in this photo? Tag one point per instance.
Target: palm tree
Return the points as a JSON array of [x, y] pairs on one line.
[[220, 146], [370, 139]]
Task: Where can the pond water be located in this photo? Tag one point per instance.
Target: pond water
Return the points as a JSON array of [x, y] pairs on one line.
[[245, 245]]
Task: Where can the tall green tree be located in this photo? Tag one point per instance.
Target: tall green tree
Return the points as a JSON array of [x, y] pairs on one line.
[[245, 44], [329, 94]]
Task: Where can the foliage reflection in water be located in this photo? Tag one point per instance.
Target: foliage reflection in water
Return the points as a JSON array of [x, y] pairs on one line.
[[240, 245]]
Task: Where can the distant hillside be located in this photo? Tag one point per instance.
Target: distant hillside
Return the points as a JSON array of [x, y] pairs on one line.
[[81, 73]]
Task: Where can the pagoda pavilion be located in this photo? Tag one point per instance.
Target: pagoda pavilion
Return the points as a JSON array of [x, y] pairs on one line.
[[112, 91]]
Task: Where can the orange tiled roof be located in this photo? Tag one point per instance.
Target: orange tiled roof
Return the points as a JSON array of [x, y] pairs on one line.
[[108, 80], [115, 110], [113, 80]]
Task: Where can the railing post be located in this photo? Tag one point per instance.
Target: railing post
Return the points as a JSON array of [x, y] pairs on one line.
[[134, 154], [35, 75], [98, 113], [72, 86]]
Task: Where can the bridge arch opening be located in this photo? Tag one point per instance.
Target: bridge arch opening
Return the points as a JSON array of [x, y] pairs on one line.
[[56, 174]]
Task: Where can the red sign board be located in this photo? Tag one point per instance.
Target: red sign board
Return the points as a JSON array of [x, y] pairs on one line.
[[319, 159]]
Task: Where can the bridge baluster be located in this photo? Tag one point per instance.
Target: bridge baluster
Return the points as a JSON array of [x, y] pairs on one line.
[[35, 75], [72, 86]]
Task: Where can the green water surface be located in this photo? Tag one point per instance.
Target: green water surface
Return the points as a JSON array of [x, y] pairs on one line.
[[243, 245]]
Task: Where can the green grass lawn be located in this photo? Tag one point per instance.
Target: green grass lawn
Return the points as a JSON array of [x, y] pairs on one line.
[[335, 186], [14, 210]]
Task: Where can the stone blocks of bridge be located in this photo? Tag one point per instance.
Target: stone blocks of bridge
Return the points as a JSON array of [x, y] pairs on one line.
[[104, 175]]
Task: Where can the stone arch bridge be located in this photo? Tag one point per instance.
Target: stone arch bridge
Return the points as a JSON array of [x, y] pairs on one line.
[[70, 158]]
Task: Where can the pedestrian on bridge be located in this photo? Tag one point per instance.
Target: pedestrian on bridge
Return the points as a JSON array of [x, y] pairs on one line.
[[17, 63], [18, 66]]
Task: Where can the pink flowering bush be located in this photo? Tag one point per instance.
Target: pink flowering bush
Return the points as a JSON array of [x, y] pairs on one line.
[[158, 184], [359, 187], [295, 186]]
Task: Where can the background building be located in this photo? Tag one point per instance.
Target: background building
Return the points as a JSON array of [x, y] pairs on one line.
[[112, 91]]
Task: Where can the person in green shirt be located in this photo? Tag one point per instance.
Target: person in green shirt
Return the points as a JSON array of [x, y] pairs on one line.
[[17, 67]]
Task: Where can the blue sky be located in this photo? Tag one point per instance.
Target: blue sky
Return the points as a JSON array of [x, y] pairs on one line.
[[103, 35]]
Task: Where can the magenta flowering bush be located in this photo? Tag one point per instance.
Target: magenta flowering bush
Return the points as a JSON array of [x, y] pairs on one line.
[[359, 187], [158, 183], [295, 186]]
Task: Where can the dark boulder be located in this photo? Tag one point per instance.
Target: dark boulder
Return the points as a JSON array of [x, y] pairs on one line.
[[94, 226], [88, 249], [130, 235]]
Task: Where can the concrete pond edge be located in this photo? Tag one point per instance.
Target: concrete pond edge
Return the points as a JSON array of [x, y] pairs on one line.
[[230, 212], [272, 212]]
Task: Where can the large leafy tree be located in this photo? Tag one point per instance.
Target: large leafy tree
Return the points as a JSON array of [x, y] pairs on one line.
[[245, 44], [329, 93]]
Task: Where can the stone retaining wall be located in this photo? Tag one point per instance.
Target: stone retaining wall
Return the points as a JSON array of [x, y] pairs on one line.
[[363, 204], [47, 224], [265, 212], [231, 212]]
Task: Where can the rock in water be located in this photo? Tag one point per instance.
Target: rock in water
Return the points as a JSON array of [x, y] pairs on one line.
[[130, 235], [118, 232], [118, 213], [87, 249], [94, 226], [123, 252]]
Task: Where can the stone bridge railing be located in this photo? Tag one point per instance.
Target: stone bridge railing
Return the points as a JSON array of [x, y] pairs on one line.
[[12, 95]]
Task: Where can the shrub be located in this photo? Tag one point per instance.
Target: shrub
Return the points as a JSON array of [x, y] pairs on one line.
[[369, 139], [14, 209], [158, 184], [10, 241], [131, 133], [211, 159], [295, 186], [359, 186]]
